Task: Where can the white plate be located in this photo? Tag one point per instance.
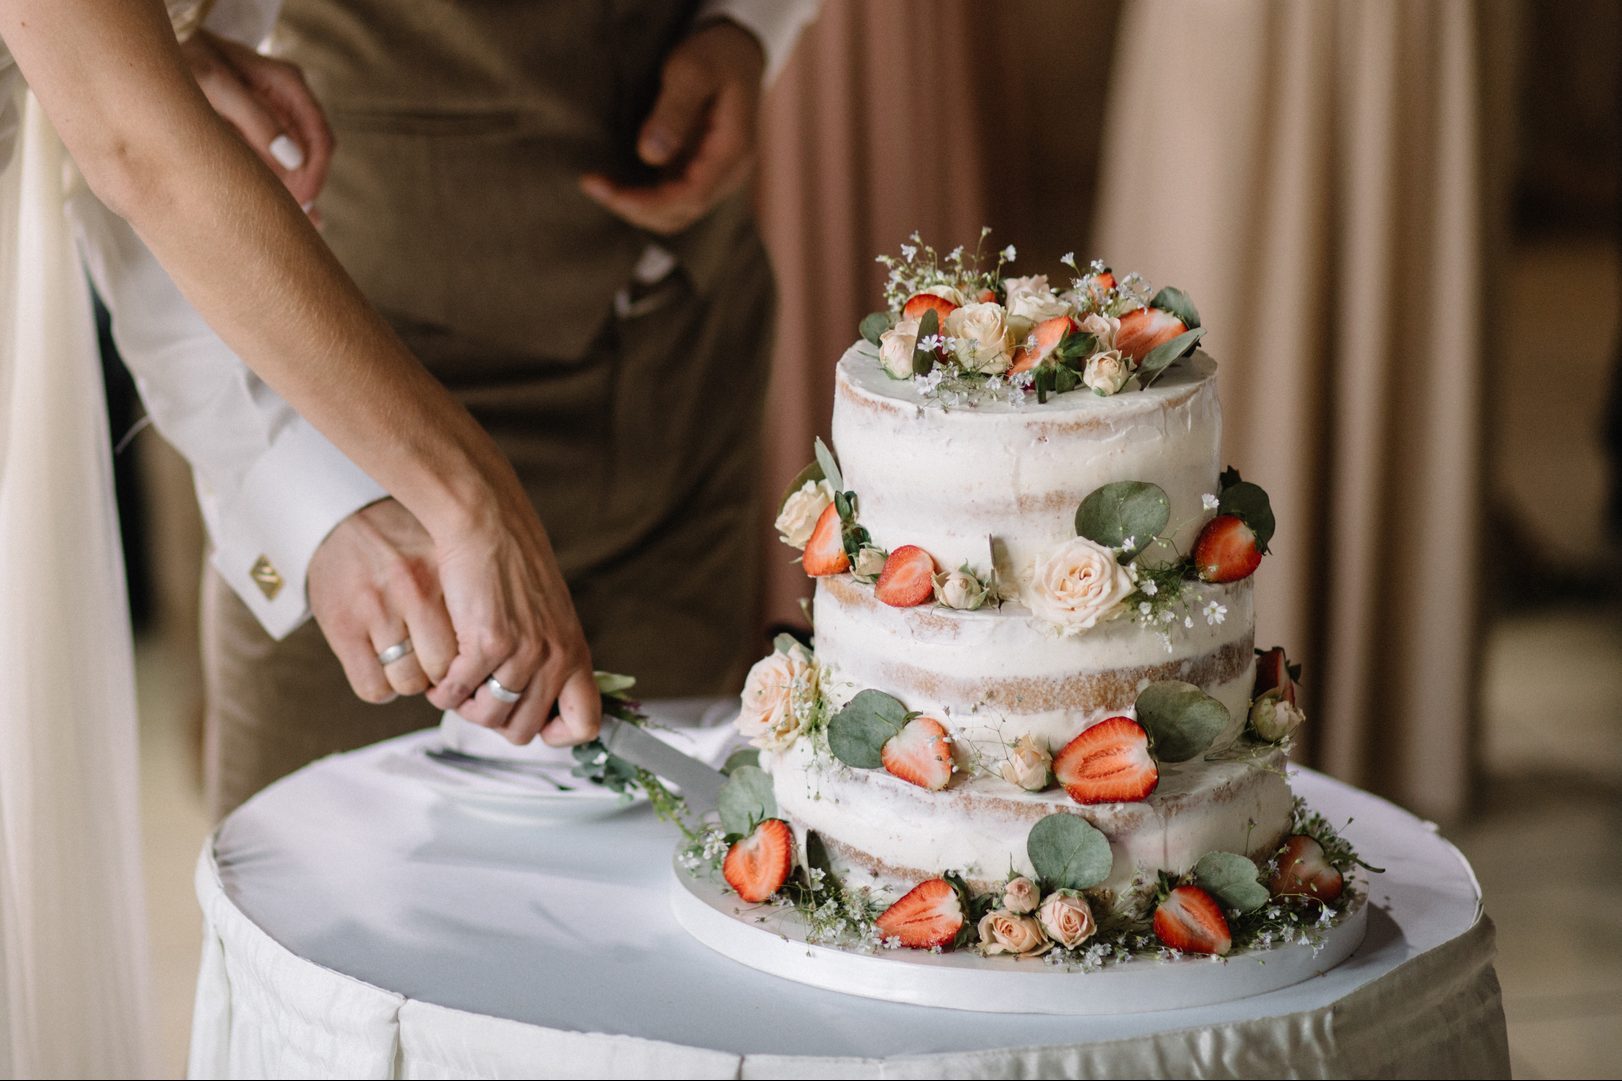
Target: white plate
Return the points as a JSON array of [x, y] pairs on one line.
[[773, 939]]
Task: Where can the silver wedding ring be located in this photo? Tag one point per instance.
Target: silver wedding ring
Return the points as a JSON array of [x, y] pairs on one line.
[[500, 693], [395, 652]]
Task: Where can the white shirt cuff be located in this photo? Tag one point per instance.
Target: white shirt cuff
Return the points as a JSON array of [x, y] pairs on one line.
[[776, 24], [294, 495]]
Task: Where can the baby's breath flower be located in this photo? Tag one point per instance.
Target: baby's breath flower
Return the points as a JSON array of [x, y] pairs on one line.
[[1008, 254], [1210, 501], [1215, 613]]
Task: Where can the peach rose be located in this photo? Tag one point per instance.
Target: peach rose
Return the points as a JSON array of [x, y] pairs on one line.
[[1107, 372], [960, 589], [984, 342], [1103, 328], [1078, 584], [778, 696], [1273, 718], [1002, 931], [800, 512], [949, 293], [1067, 918], [1027, 764], [868, 564], [1020, 896], [896, 346], [1032, 299]]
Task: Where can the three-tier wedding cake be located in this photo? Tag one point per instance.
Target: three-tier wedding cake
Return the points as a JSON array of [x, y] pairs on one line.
[[1032, 719]]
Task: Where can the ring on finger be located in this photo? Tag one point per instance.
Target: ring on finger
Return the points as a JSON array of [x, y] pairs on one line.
[[395, 652], [500, 693]]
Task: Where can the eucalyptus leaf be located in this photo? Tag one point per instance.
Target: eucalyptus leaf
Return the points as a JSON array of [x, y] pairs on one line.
[[857, 734], [1249, 502], [1135, 509], [1182, 720], [1174, 300], [1068, 852], [829, 465], [812, 472], [923, 360], [786, 643], [746, 799], [1165, 354], [1065, 380], [743, 756], [816, 855], [875, 325], [1078, 345], [1231, 879]]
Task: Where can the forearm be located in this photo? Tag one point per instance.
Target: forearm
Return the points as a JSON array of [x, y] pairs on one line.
[[241, 250]]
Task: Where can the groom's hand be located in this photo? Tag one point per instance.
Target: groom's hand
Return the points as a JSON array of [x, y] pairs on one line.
[[374, 583], [700, 134]]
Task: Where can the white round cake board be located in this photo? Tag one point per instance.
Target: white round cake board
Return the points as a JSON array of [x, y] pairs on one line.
[[772, 939]]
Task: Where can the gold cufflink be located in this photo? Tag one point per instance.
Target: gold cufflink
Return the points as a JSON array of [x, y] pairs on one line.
[[266, 578]]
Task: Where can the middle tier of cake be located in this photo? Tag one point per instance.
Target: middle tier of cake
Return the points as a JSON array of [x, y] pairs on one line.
[[996, 674]]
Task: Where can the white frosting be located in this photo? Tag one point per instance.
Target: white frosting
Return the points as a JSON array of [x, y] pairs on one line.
[[946, 479], [978, 826]]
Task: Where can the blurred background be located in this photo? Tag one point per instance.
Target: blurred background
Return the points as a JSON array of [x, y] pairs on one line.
[[1401, 223]]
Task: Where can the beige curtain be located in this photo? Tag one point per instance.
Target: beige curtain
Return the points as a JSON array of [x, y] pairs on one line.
[[1315, 174], [1320, 176]]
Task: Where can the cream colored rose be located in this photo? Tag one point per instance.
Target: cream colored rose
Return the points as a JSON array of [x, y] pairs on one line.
[[1103, 328], [1020, 896], [1002, 931], [1107, 372], [961, 590], [1078, 584], [1067, 918], [949, 293], [984, 342], [801, 510], [1273, 718], [869, 563], [896, 347], [1027, 764], [778, 696], [1032, 298]]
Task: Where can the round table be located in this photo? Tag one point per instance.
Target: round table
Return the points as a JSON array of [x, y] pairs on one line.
[[360, 924]]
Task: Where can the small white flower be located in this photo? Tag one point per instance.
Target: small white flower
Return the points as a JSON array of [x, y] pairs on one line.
[[1143, 608], [1188, 621], [1128, 544], [1150, 587], [1210, 501], [1167, 616], [909, 251], [1068, 259], [1215, 613], [1008, 254]]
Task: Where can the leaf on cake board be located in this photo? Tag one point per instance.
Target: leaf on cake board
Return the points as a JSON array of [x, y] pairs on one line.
[[923, 360], [1174, 300], [743, 756], [1182, 720], [1231, 879], [816, 857], [874, 325], [746, 799], [1128, 509], [857, 734], [1068, 852], [1249, 501], [828, 464], [1165, 354]]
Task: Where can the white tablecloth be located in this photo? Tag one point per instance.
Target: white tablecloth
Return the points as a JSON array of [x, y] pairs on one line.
[[361, 925]]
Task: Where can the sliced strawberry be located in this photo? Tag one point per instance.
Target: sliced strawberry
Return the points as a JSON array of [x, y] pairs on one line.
[[1273, 670], [919, 303], [1304, 869], [908, 577], [1104, 279], [1189, 919], [758, 865], [1108, 763], [930, 915], [825, 551], [1226, 550], [1049, 334], [986, 296], [1145, 328], [920, 754]]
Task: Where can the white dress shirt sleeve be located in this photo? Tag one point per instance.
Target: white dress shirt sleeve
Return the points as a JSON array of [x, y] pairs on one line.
[[270, 486], [776, 24]]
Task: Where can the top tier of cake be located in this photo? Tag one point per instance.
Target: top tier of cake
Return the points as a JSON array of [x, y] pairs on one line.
[[947, 478]]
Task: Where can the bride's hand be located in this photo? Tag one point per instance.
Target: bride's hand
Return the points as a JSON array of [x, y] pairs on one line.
[[515, 624], [269, 105]]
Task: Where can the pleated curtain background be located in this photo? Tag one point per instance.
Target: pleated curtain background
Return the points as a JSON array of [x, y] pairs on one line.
[[1325, 179]]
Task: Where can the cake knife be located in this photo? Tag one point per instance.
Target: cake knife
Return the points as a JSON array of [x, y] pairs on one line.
[[700, 782]]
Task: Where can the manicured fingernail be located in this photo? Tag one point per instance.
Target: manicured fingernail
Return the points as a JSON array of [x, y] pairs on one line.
[[287, 152]]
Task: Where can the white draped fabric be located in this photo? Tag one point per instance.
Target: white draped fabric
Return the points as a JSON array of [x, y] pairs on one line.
[[73, 972], [362, 924]]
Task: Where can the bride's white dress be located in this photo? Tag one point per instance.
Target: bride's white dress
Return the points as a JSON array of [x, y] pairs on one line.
[[73, 968]]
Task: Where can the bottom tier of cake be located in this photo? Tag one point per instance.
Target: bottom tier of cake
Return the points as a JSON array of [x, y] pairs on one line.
[[883, 833]]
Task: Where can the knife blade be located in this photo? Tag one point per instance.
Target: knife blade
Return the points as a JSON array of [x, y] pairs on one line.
[[700, 783]]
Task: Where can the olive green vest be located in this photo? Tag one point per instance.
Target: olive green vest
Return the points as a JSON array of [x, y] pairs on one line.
[[463, 127]]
